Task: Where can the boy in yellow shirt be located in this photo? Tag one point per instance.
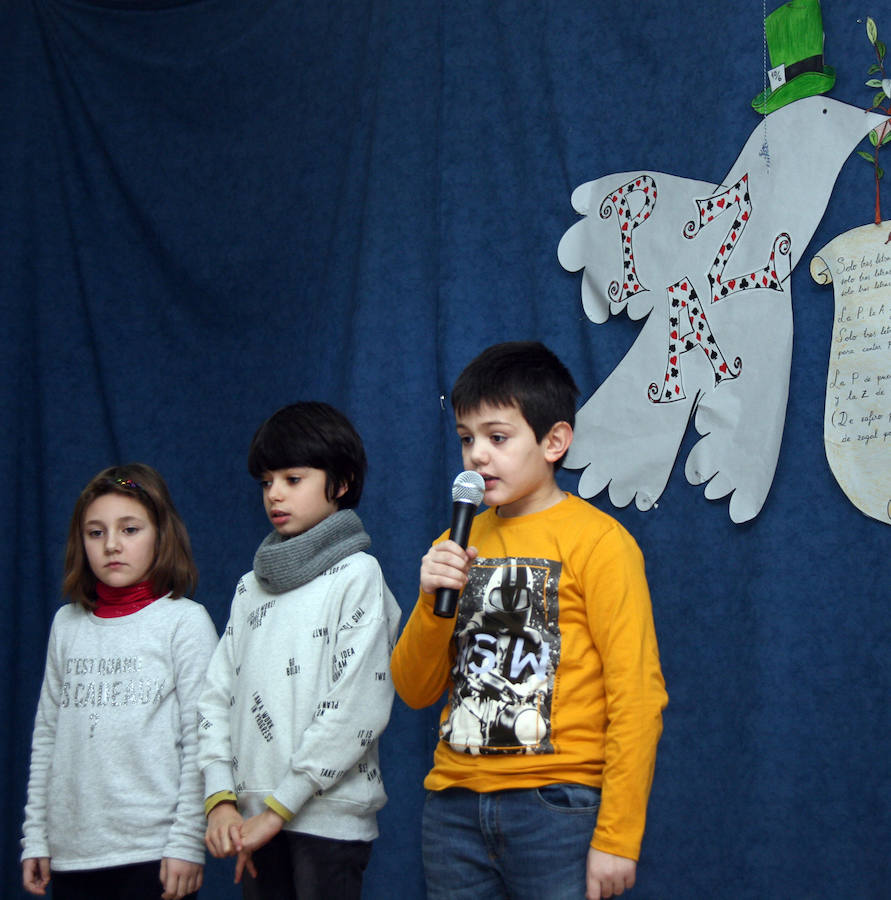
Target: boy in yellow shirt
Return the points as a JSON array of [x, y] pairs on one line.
[[541, 777]]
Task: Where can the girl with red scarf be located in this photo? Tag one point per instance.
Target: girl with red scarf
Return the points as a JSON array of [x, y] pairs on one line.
[[115, 800]]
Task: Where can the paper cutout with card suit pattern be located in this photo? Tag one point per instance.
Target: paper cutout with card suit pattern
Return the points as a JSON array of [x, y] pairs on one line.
[[708, 267]]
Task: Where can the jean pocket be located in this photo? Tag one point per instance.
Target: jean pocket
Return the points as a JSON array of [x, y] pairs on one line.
[[569, 797]]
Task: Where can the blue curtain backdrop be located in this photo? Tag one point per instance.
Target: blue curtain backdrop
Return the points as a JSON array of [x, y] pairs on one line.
[[210, 209]]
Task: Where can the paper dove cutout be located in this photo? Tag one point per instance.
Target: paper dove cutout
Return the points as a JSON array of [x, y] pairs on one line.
[[708, 265]]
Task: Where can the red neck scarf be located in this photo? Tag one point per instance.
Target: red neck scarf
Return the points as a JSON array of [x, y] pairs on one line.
[[113, 602]]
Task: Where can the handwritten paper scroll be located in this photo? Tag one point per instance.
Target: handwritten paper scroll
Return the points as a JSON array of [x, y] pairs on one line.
[[857, 418]]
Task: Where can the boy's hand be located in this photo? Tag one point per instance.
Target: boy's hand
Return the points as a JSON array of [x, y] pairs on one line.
[[608, 875], [244, 861], [36, 874], [180, 878], [445, 565], [223, 826], [259, 830], [256, 832]]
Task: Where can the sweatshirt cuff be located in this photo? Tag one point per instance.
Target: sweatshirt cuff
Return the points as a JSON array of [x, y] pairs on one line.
[[277, 808], [219, 797], [292, 793], [194, 854], [218, 777], [35, 851]]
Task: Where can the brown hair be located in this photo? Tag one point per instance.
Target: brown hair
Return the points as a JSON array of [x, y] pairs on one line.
[[173, 570]]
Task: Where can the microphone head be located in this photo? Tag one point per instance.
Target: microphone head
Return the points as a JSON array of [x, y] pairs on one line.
[[468, 487]]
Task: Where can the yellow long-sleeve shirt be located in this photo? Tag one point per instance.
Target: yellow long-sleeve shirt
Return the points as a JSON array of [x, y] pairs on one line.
[[551, 664]]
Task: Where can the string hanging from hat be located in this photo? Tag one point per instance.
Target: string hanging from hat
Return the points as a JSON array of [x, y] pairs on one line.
[[765, 147]]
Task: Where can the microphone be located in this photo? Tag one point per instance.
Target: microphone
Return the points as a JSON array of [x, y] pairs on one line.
[[467, 492]]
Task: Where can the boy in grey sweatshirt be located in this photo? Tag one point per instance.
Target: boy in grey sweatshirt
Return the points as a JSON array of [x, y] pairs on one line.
[[299, 689]]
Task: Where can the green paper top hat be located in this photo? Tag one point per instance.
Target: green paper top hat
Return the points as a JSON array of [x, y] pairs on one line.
[[794, 35]]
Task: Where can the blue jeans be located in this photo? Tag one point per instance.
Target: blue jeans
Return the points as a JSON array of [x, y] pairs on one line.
[[528, 844]]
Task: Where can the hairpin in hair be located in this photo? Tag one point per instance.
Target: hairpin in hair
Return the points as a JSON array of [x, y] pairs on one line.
[[127, 483]]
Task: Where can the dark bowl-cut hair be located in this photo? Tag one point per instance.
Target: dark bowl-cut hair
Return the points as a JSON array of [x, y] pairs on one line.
[[316, 436], [173, 570], [525, 374]]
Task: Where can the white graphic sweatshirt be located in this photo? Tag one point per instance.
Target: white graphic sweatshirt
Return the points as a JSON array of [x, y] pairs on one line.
[[299, 691]]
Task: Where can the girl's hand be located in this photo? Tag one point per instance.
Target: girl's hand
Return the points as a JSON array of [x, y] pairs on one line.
[[179, 878], [445, 565], [223, 827], [36, 874]]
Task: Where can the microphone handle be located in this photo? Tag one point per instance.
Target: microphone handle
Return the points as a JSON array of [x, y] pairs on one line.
[[462, 518]]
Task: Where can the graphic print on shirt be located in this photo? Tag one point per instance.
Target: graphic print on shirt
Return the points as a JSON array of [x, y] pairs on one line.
[[111, 682], [508, 647]]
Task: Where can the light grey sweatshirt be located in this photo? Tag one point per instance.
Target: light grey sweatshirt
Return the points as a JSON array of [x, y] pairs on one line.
[[114, 778]]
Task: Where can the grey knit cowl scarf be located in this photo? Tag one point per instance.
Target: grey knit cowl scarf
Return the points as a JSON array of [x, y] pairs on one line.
[[282, 564]]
